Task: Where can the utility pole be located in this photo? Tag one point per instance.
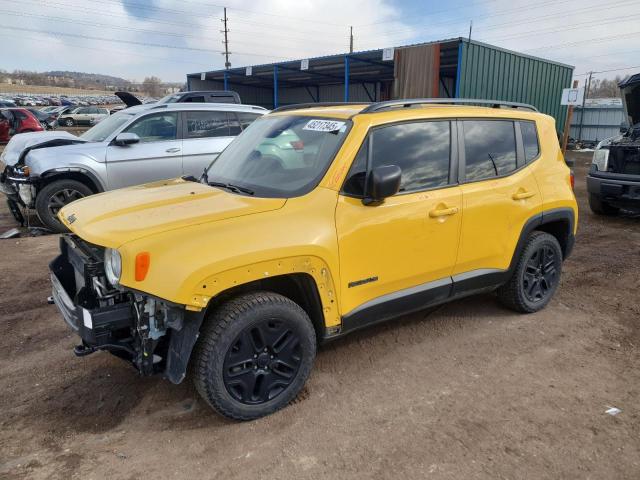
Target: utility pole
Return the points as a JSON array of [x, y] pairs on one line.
[[584, 99], [227, 63], [351, 39]]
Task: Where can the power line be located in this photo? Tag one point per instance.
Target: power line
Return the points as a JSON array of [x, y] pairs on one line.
[[94, 24], [543, 17], [477, 17], [121, 52], [66, 6], [591, 40], [574, 26], [607, 71], [132, 42]]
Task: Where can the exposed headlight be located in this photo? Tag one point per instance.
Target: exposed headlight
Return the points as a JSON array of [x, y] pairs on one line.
[[112, 266], [601, 159]]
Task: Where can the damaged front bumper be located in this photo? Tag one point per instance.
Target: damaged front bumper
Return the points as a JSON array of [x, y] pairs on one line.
[[155, 336], [20, 190]]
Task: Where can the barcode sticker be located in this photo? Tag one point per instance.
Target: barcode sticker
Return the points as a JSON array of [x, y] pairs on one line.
[[323, 125]]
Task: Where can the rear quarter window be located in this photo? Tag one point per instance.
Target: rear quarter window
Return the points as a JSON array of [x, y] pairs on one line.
[[530, 140]]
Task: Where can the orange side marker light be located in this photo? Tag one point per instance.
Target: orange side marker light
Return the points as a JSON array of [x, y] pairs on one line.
[[143, 261]]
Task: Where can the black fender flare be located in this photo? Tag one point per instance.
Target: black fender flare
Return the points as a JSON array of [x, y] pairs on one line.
[[544, 218]]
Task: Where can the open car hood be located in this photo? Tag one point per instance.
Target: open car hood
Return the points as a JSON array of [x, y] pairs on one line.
[[630, 89], [23, 143], [128, 99]]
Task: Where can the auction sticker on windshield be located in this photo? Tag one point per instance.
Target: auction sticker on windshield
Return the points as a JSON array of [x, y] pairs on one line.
[[323, 125]]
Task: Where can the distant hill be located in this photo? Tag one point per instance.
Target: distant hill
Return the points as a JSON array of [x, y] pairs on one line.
[[88, 78]]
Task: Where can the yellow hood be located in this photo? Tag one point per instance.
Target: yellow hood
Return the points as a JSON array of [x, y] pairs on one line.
[[114, 218]]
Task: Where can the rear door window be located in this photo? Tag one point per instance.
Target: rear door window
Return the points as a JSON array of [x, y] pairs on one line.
[[489, 148], [529, 140], [207, 124]]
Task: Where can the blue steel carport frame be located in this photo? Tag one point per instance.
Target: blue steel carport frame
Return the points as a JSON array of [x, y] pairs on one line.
[[346, 78], [275, 86]]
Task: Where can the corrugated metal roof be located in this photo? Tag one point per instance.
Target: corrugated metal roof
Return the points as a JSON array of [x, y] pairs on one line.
[[374, 54]]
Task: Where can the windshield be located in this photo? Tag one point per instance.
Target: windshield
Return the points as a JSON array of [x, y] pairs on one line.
[[101, 131], [280, 156]]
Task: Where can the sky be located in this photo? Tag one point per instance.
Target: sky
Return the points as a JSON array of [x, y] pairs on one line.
[[170, 38]]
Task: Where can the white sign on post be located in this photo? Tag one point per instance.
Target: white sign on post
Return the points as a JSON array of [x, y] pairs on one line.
[[203, 75], [304, 64], [387, 54], [249, 71], [572, 96]]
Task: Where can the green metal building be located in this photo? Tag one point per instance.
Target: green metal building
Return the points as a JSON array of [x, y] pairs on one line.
[[454, 68]]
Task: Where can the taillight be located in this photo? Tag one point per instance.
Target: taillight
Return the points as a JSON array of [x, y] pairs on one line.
[[143, 261], [572, 180]]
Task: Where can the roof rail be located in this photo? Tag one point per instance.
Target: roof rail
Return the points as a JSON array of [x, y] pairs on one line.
[[376, 107], [297, 106]]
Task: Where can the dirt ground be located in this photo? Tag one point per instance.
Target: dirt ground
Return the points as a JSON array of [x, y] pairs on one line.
[[470, 391]]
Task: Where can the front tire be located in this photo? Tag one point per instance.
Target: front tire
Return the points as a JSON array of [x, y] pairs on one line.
[[56, 195], [68, 122], [600, 207], [536, 276], [254, 355]]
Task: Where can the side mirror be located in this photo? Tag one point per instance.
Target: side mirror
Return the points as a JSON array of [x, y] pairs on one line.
[[125, 139], [382, 182], [624, 128]]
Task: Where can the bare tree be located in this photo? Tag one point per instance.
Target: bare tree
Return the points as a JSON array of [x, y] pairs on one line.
[[152, 86], [605, 88]]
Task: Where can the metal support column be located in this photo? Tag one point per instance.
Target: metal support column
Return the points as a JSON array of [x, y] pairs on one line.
[[275, 86], [346, 78], [226, 81]]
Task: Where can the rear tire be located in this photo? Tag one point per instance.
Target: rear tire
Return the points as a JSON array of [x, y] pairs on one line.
[[254, 355], [56, 195], [536, 276], [600, 207]]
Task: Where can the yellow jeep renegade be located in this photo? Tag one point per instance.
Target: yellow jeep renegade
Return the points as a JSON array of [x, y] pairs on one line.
[[318, 220]]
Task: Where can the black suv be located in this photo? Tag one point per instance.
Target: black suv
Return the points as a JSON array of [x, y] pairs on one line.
[[614, 179]]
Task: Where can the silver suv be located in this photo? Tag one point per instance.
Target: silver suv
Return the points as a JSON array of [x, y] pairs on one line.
[[47, 170], [83, 116]]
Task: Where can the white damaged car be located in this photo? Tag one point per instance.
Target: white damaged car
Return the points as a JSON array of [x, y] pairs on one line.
[[47, 170]]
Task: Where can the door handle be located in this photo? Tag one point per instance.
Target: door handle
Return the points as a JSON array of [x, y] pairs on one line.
[[172, 150], [443, 212], [521, 195]]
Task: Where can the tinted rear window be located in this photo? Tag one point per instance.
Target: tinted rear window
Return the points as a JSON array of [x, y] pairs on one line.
[[489, 148]]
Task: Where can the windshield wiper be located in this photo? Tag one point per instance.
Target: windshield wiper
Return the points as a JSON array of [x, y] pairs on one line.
[[232, 187]]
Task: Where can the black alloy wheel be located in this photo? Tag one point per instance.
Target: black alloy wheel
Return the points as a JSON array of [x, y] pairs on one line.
[[540, 274], [254, 354], [536, 275], [262, 362]]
